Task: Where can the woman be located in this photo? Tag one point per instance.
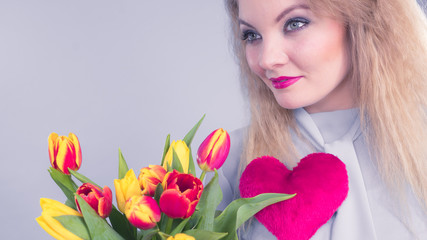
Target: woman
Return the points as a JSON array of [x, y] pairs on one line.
[[351, 72]]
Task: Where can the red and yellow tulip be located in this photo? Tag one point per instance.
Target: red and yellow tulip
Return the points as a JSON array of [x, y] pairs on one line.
[[183, 153], [181, 236], [64, 152], [181, 194], [126, 188], [52, 209], [142, 212], [214, 150], [99, 199], [150, 177]]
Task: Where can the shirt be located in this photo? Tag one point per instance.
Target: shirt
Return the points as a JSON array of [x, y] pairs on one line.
[[370, 210]]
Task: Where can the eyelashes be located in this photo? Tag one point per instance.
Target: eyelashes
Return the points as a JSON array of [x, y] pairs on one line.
[[250, 36], [292, 25], [295, 24]]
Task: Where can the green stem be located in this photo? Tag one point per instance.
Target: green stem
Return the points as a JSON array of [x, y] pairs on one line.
[[202, 176], [73, 183], [169, 225]]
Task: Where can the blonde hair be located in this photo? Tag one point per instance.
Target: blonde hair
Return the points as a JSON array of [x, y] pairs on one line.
[[388, 44]]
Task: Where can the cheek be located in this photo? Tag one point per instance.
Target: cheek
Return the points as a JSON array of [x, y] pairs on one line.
[[252, 59], [328, 51]]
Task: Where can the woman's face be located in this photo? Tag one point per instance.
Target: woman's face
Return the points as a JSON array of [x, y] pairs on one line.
[[302, 57]]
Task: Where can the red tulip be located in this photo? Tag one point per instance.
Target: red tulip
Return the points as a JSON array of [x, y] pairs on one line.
[[64, 152], [142, 212], [99, 199], [214, 150], [181, 194]]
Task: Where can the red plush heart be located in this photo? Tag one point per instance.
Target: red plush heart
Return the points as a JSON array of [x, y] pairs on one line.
[[320, 181]]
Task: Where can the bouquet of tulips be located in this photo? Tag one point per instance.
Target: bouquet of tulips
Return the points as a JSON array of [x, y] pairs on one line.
[[165, 201]]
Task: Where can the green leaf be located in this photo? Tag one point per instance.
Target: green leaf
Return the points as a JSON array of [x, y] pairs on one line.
[[66, 184], [123, 167], [166, 148], [205, 235], [190, 135], [180, 226], [163, 222], [147, 234], [169, 167], [98, 227], [71, 204], [209, 201], [176, 163], [121, 224], [74, 224], [158, 192], [240, 210], [63, 178], [191, 166], [163, 235], [83, 178], [194, 220]]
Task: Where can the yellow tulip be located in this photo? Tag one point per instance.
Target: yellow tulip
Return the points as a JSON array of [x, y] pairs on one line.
[[181, 236], [126, 188], [50, 210], [183, 153]]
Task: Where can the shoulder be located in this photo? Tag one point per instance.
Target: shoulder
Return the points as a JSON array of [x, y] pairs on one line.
[[231, 165]]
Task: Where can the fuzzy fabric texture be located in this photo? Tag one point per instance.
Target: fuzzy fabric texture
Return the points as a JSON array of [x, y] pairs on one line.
[[320, 181]]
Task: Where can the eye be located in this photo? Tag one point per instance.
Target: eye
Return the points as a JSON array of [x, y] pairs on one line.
[[250, 36], [295, 24]]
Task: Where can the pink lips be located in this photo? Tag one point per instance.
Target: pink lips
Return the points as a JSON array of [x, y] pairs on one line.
[[284, 81]]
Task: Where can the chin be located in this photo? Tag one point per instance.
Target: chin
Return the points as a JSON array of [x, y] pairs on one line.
[[291, 103]]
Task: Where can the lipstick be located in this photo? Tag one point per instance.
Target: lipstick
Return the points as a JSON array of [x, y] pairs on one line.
[[284, 81]]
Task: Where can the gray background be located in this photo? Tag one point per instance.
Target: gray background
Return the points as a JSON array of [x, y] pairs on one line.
[[117, 74]]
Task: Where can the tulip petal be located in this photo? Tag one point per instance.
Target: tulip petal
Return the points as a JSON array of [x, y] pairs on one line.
[[126, 188], [65, 157], [214, 150], [191, 208], [56, 208], [142, 212], [150, 177], [52, 148], [78, 151], [120, 197], [141, 220], [50, 209], [55, 229], [174, 204], [220, 151], [92, 200], [99, 200], [104, 208], [105, 203], [183, 153]]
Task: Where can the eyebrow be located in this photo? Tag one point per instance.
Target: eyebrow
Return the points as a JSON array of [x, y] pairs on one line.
[[281, 15], [290, 9]]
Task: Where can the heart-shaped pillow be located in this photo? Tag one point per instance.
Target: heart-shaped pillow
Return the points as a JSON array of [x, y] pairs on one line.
[[320, 181]]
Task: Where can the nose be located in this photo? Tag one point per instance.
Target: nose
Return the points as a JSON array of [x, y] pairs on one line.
[[273, 54]]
